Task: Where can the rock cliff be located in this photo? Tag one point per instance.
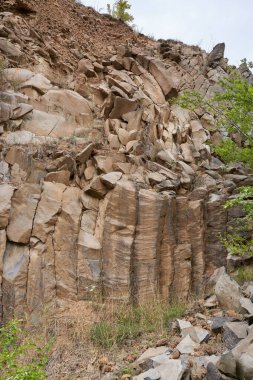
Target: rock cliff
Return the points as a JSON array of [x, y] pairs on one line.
[[104, 182]]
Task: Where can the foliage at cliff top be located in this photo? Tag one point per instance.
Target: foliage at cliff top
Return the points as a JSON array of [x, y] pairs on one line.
[[119, 10]]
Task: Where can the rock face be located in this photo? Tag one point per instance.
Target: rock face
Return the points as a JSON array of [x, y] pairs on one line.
[[103, 183]]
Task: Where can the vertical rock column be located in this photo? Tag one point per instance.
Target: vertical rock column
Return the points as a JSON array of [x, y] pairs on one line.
[[182, 254], [65, 244], [41, 287], [118, 239], [89, 255], [166, 262], [147, 244], [6, 193], [17, 254], [216, 221], [196, 229], [2, 250]]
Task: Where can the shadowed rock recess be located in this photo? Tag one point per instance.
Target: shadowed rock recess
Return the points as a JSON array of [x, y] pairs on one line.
[[103, 181]]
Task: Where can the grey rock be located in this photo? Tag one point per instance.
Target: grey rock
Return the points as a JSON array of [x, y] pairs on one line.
[[145, 360], [249, 289], [187, 345], [151, 374], [219, 322], [234, 332], [211, 302], [214, 279], [245, 366], [212, 372], [216, 55], [183, 324], [198, 334], [247, 305], [228, 293], [173, 370], [227, 364]]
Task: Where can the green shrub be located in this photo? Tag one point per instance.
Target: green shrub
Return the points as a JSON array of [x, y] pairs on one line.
[[20, 357], [119, 10]]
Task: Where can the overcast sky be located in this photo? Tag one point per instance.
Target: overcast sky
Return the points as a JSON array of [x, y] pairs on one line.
[[199, 22]]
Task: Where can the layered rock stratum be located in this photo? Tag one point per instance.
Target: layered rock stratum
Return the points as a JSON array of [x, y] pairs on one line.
[[105, 183]]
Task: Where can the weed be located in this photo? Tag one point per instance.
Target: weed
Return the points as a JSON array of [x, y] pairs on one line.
[[72, 140], [243, 274], [127, 371], [117, 323]]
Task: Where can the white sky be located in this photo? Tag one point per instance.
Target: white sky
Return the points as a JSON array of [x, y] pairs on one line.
[[198, 22]]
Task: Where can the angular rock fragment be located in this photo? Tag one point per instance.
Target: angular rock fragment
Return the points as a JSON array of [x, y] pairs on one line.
[[110, 180], [187, 345], [228, 293], [85, 154], [6, 193], [96, 188]]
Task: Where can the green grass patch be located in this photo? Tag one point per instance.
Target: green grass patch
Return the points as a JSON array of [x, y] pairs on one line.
[[243, 274], [129, 322]]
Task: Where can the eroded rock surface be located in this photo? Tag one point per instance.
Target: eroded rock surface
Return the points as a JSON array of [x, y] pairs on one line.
[[103, 182]]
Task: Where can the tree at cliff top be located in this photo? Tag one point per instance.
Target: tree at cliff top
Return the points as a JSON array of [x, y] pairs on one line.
[[232, 109], [119, 10]]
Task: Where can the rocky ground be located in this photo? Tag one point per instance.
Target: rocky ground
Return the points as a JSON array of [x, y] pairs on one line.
[[107, 184], [212, 340], [216, 344]]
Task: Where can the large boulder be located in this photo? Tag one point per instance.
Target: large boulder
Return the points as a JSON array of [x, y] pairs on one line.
[[69, 104], [228, 293], [165, 80]]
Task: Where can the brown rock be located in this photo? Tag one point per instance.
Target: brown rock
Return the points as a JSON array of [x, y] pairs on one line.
[[119, 224], [17, 155], [89, 203], [6, 193], [15, 270], [89, 172], [65, 244], [96, 188], [89, 255], [47, 210], [122, 106], [86, 67], [110, 180], [61, 176], [24, 204], [85, 154], [163, 78]]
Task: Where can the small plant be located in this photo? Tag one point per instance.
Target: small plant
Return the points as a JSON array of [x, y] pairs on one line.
[[73, 140], [20, 357], [243, 274], [119, 11], [127, 371]]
